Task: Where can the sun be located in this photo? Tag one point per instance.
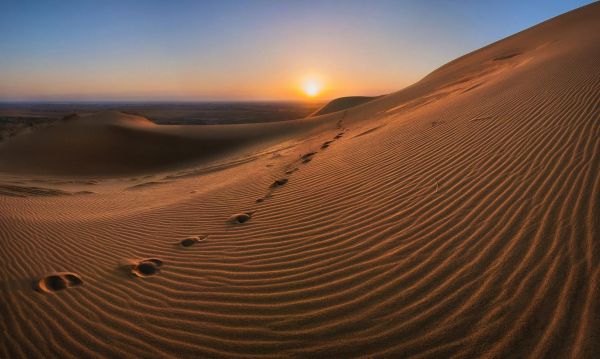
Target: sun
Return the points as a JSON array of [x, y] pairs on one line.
[[312, 87]]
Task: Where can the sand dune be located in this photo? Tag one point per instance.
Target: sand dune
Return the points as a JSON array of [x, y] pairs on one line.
[[117, 144], [342, 103], [458, 217]]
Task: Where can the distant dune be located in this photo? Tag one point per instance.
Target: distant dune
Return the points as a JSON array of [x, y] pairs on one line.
[[458, 217], [112, 143], [342, 103]]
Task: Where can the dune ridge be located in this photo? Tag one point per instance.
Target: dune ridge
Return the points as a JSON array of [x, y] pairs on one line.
[[112, 143], [458, 217], [342, 103]]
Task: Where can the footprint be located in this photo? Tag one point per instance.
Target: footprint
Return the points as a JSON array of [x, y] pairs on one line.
[[279, 182], [264, 198], [58, 281], [146, 267], [506, 57], [190, 241], [308, 155], [240, 218], [325, 144]]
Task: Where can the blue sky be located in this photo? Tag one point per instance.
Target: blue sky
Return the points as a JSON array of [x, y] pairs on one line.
[[205, 50]]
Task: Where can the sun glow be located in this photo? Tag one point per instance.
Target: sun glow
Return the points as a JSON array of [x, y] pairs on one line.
[[312, 87]]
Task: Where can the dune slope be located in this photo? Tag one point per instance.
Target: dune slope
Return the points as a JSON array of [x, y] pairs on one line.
[[456, 218], [118, 144], [342, 103]]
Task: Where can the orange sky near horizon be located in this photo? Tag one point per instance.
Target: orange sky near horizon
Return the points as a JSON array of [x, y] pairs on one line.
[[282, 83]]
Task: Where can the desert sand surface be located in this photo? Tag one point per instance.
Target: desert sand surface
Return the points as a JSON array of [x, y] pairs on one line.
[[458, 217], [343, 103]]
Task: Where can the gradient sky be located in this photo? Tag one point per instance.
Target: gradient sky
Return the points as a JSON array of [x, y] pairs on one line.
[[242, 50]]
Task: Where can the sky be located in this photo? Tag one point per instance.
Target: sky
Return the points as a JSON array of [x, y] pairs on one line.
[[180, 50]]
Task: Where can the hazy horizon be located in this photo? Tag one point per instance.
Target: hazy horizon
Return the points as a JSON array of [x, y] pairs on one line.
[[230, 51]]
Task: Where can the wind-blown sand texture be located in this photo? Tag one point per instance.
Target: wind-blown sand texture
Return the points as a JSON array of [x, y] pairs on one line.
[[458, 217]]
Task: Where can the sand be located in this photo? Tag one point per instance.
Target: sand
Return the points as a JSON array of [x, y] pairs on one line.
[[342, 103], [458, 217]]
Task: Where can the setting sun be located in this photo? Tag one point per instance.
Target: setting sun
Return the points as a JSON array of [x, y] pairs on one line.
[[312, 87]]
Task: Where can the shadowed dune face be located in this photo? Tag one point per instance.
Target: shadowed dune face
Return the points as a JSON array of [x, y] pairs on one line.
[[116, 144], [459, 217]]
